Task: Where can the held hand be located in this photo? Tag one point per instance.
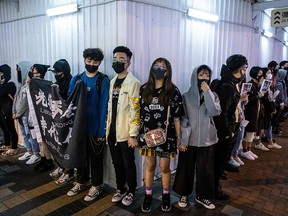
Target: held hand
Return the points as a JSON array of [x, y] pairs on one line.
[[101, 139], [244, 97], [182, 148], [132, 142], [261, 94], [204, 86]]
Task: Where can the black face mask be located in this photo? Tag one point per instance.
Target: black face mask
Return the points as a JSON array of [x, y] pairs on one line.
[[59, 78], [286, 68], [159, 73], [118, 67], [199, 81], [91, 68], [30, 74]]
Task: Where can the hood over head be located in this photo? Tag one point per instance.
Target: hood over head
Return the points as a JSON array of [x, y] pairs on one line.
[[281, 74], [24, 67], [6, 70], [61, 65]]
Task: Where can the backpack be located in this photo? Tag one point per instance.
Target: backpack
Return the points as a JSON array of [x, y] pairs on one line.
[[217, 83], [98, 83]]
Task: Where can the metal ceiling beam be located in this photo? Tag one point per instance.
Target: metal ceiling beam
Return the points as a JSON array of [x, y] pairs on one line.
[[271, 4]]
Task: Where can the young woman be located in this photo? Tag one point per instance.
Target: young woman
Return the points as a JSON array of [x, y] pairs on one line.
[[158, 96], [201, 104]]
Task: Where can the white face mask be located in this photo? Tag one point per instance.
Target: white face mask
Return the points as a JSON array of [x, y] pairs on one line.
[[269, 76]]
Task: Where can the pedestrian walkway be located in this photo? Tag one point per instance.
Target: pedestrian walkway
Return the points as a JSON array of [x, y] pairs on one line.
[[260, 188]]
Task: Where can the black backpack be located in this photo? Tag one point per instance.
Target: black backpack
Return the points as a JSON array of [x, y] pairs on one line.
[[98, 83], [217, 83]]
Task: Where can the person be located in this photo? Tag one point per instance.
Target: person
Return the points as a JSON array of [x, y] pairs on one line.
[[62, 73], [7, 92], [253, 114], [231, 74], [38, 71], [95, 123], [21, 112], [123, 123], [159, 96], [201, 104]]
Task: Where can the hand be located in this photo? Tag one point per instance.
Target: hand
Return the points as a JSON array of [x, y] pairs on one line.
[[182, 148], [244, 97], [101, 139], [14, 116], [261, 94], [204, 86], [132, 142]]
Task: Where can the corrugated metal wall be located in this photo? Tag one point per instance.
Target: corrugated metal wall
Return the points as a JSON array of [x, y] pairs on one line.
[[151, 28]]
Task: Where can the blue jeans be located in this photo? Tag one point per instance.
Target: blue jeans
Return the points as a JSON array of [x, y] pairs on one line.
[[29, 142], [240, 136]]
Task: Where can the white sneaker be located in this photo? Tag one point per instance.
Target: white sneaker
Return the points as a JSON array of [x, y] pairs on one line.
[[128, 199], [234, 162], [238, 160], [93, 193], [55, 174], [246, 155], [275, 146], [261, 147], [118, 196], [253, 155], [26, 156], [76, 189], [33, 159]]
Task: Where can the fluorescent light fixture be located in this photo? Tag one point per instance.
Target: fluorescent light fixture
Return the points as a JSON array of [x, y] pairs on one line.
[[286, 43], [202, 15], [267, 33], [62, 10]]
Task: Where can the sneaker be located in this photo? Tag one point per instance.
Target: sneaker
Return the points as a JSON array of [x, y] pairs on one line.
[[118, 196], [183, 201], [64, 179], [253, 155], [275, 146], [56, 173], [261, 147], [205, 202], [146, 205], [128, 199], [26, 156], [33, 159], [233, 162], [93, 193], [231, 168], [76, 189], [238, 160], [166, 204], [246, 155]]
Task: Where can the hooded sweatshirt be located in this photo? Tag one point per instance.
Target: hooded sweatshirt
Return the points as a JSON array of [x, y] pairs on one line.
[[20, 104], [7, 92], [203, 131], [281, 86]]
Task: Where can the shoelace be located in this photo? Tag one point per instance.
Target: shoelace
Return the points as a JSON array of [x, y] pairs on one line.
[[206, 201], [129, 196], [93, 191], [183, 199]]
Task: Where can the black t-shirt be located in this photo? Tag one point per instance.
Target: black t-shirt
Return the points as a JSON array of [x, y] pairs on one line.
[[115, 97]]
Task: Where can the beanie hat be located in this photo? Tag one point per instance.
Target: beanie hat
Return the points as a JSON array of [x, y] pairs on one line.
[[235, 62], [42, 69], [254, 72], [61, 66]]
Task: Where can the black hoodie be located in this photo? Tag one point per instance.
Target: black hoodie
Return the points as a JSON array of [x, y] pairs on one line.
[[7, 92]]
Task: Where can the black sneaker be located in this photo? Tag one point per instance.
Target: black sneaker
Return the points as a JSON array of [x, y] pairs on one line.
[[231, 168], [146, 205], [205, 202], [224, 176], [39, 166], [166, 205]]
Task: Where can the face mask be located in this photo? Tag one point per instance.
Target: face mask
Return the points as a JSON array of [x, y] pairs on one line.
[[118, 67], [2, 79], [158, 73], [258, 78], [269, 76], [199, 82], [59, 78], [286, 68], [91, 68]]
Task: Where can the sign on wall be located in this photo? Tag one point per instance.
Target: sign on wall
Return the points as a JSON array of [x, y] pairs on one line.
[[279, 17]]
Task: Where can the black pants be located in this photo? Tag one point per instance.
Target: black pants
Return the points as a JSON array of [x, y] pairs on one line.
[[9, 131], [124, 164], [221, 156], [201, 159], [94, 162]]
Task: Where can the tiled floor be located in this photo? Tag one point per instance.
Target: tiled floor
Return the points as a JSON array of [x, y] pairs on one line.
[[260, 188]]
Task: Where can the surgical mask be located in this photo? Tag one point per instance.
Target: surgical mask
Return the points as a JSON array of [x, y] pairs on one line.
[[118, 67], [159, 73], [91, 68], [199, 82], [59, 78], [269, 76]]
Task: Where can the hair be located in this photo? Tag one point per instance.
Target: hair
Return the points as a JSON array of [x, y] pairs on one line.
[[272, 64], [282, 63], [204, 67], [265, 70], [123, 49], [95, 54], [168, 86], [254, 71]]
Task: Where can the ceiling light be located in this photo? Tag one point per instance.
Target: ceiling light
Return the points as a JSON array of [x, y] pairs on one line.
[[202, 15], [267, 33], [62, 10]]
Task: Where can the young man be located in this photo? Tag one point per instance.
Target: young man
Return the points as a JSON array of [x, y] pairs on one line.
[[123, 124], [231, 74], [97, 99]]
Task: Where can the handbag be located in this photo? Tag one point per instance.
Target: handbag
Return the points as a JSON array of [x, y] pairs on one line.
[[157, 136]]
